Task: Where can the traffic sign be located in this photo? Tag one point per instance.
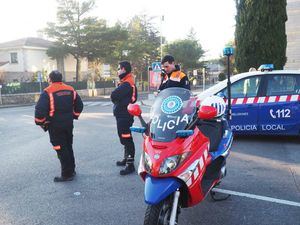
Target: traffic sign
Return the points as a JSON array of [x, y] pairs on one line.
[[156, 67], [39, 76]]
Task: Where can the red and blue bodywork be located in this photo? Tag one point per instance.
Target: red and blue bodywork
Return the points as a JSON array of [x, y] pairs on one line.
[[177, 155]]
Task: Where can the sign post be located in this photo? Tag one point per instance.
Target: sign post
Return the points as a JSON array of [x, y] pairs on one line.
[[228, 51], [40, 79], [0, 94], [203, 79], [154, 75]]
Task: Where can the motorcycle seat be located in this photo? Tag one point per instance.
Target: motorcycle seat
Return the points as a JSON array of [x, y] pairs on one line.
[[214, 130]]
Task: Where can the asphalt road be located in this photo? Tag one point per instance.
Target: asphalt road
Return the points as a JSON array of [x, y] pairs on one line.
[[260, 166]]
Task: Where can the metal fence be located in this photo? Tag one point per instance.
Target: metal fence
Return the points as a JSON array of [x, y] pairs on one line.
[[33, 87]]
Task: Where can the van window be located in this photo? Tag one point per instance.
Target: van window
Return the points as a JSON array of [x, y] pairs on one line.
[[247, 87], [283, 84]]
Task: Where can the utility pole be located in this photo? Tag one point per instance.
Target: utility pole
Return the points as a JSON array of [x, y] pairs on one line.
[[228, 51], [161, 22]]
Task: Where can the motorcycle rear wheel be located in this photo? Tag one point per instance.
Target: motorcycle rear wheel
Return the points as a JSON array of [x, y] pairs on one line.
[[159, 214]]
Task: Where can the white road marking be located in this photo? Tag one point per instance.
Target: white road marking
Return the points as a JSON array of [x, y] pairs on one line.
[[28, 116], [258, 197], [107, 104]]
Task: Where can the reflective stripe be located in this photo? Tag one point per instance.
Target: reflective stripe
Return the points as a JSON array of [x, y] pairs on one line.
[[245, 101], [294, 98], [126, 135], [239, 101], [272, 98], [57, 147], [133, 99], [40, 120], [52, 108], [282, 98], [250, 100], [74, 96], [177, 79], [264, 99]]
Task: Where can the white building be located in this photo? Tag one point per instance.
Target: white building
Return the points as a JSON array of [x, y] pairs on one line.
[[293, 35], [20, 59]]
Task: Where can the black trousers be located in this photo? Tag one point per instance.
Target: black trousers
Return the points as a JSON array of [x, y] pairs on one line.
[[123, 126], [62, 140]]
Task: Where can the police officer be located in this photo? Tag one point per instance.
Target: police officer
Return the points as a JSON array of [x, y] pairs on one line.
[[171, 75], [55, 110], [125, 93]]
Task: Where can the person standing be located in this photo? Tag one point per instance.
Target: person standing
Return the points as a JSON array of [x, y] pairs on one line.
[[171, 75], [124, 94], [57, 107]]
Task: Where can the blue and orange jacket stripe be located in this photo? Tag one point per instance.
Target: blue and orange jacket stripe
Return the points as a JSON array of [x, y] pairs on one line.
[[46, 106]]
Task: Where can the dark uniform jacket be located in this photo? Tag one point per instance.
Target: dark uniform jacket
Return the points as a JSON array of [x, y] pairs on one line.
[[125, 93], [59, 104], [175, 79]]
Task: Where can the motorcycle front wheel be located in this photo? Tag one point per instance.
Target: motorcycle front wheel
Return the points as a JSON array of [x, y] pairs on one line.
[[159, 214]]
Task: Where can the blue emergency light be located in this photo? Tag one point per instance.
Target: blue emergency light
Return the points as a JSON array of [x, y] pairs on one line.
[[184, 133], [267, 67], [228, 51]]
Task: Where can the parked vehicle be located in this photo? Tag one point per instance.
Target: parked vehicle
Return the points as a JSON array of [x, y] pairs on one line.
[[263, 102], [185, 151]]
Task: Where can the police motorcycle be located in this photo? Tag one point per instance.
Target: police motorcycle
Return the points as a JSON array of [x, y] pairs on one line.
[[186, 144]]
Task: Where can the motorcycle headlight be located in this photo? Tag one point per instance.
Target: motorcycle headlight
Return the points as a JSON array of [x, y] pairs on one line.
[[172, 162], [147, 162]]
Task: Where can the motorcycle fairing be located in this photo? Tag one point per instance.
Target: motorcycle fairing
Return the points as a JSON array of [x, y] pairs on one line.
[[224, 146], [157, 189]]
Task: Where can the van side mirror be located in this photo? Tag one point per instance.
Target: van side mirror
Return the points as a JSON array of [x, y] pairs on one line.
[[207, 112], [134, 110]]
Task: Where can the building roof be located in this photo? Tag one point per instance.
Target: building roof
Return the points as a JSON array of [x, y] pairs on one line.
[[27, 42], [3, 63]]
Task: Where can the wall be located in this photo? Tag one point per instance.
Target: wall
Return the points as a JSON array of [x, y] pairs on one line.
[[12, 67], [33, 97], [293, 35], [38, 60]]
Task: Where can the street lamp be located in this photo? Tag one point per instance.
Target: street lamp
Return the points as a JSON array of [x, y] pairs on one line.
[[228, 51], [161, 21]]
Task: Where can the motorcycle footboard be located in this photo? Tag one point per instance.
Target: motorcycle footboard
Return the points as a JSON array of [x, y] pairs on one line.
[[212, 173], [157, 189]]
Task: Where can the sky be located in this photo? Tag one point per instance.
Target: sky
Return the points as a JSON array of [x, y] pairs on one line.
[[212, 20]]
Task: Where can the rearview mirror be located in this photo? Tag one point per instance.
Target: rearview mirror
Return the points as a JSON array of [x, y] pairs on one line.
[[207, 112], [134, 110]]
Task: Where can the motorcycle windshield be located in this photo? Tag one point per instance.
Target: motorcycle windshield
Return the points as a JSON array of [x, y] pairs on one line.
[[173, 110]]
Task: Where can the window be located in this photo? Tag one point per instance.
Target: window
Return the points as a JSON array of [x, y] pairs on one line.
[[247, 87], [283, 84], [13, 57]]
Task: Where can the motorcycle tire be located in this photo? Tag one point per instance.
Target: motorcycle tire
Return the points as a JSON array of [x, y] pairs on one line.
[[159, 214]]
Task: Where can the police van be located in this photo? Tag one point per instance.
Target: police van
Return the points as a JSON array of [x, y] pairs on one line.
[[263, 101]]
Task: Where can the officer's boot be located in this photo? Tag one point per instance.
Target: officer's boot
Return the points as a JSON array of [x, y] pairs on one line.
[[123, 161], [129, 166]]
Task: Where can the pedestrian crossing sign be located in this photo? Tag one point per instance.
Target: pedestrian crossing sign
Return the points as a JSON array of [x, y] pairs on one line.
[[156, 67]]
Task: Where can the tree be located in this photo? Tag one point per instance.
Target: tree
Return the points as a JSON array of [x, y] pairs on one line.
[[70, 31], [143, 44], [260, 33], [187, 52], [105, 44], [58, 52], [223, 60]]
